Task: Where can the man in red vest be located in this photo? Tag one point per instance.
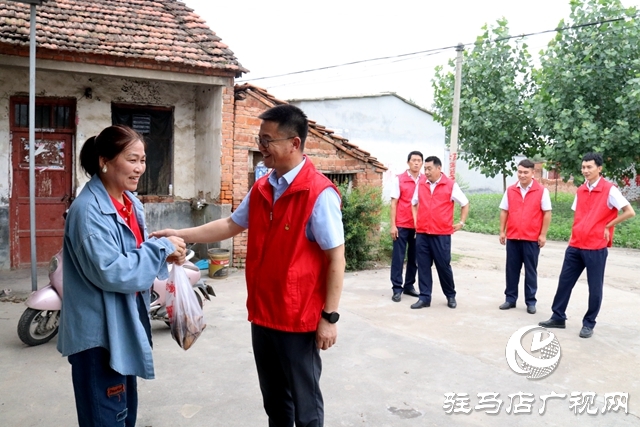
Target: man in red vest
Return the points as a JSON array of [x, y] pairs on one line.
[[525, 215], [403, 230], [596, 207], [294, 268], [433, 215]]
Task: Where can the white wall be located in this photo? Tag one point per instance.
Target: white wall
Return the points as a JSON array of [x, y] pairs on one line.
[[385, 126]]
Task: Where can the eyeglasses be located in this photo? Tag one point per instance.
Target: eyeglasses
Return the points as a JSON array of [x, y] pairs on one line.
[[265, 142]]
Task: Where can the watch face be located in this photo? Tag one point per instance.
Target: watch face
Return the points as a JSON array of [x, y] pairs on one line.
[[333, 317]]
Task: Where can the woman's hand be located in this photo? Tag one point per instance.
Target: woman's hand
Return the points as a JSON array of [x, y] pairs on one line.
[[179, 255]]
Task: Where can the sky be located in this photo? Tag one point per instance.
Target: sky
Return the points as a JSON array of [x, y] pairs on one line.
[[287, 36]]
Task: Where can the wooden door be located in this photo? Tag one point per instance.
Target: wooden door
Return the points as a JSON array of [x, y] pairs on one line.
[[53, 171]]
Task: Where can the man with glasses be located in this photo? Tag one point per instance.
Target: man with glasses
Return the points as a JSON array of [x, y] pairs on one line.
[[294, 268]]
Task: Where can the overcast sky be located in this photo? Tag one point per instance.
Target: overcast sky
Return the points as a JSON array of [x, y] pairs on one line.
[[285, 36]]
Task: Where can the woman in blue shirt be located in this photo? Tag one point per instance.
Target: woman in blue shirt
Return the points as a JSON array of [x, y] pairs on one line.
[[109, 267]]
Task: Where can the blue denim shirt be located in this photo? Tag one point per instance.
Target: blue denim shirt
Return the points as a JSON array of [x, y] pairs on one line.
[[102, 271]]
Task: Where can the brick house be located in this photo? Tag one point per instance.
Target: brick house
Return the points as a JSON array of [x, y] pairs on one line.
[[157, 67], [331, 154], [153, 65]]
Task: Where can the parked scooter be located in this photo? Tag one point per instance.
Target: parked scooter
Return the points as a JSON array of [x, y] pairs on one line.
[[39, 322]]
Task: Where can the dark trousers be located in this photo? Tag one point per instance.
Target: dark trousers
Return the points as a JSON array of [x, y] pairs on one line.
[[521, 252], [289, 369], [434, 249], [404, 243], [104, 398], [575, 261]]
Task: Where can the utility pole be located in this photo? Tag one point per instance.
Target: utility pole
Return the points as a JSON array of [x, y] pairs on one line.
[[32, 138], [453, 140]]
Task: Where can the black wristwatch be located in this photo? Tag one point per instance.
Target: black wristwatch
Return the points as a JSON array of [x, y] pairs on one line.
[[332, 317]]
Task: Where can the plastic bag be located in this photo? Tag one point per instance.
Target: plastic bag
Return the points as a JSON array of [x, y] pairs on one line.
[[185, 313]]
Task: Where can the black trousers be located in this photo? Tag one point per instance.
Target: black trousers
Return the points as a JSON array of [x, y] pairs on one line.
[[521, 252], [404, 243], [289, 369], [575, 261], [434, 249]]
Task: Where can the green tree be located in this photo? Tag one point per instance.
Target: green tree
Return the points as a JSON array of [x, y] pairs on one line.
[[496, 114], [589, 89]]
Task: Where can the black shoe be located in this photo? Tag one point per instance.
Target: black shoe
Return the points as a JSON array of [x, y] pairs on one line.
[[397, 296], [531, 309], [507, 305], [586, 332], [552, 323], [451, 302], [411, 292], [420, 304]]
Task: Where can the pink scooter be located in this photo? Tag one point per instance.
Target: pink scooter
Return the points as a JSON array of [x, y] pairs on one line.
[[39, 322]]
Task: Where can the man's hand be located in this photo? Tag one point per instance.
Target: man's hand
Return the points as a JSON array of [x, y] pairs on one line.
[[606, 234], [326, 335], [394, 232], [457, 227], [542, 240], [164, 233], [503, 238]]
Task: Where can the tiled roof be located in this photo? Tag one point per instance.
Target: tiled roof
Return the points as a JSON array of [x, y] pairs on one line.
[[316, 129], [138, 33]]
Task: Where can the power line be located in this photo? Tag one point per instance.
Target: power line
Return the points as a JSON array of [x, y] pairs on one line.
[[438, 50]]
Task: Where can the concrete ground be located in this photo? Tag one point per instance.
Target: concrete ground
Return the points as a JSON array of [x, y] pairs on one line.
[[391, 366]]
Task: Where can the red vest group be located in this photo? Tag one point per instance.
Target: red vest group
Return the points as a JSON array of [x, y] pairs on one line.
[[525, 215], [404, 215], [435, 211], [591, 216], [286, 273]]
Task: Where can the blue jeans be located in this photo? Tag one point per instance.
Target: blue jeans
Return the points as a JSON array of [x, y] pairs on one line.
[[521, 252], [404, 243], [104, 398], [575, 261]]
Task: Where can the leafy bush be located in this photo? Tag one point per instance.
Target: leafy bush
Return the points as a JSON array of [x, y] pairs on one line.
[[361, 208]]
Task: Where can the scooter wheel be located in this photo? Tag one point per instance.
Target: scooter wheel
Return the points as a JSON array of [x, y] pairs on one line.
[[32, 327]]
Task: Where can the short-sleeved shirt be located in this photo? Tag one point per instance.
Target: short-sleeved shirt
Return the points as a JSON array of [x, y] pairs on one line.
[[395, 185], [545, 203], [456, 193], [325, 225], [615, 199]]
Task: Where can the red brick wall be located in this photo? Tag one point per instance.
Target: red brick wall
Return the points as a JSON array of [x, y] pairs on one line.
[[325, 156]]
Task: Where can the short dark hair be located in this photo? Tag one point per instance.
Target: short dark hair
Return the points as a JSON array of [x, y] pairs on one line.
[[289, 118], [596, 157], [108, 144], [436, 161], [526, 163], [414, 153]]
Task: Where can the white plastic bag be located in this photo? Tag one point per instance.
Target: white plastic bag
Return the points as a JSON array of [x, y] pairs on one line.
[[185, 313]]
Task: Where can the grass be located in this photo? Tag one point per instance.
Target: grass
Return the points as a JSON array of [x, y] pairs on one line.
[[484, 217]]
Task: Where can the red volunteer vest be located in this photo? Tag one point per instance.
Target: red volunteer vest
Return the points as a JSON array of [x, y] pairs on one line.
[[435, 211], [286, 273], [404, 216], [591, 216], [525, 215]]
